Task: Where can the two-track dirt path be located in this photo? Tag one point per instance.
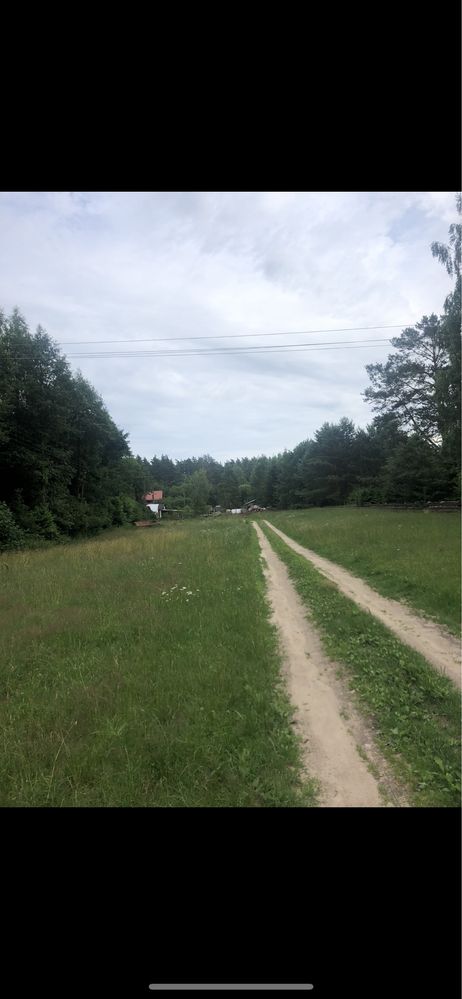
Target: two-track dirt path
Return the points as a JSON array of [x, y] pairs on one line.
[[327, 721], [438, 647]]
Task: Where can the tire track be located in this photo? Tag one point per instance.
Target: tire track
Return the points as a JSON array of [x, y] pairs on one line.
[[326, 719], [440, 648]]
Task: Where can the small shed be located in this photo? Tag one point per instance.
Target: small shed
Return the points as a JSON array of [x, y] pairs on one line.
[[154, 507]]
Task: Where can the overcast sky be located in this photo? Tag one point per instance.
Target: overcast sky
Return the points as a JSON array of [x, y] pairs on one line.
[[131, 266]]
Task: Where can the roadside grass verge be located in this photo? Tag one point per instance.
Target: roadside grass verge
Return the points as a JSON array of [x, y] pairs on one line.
[[141, 669], [415, 711], [409, 555]]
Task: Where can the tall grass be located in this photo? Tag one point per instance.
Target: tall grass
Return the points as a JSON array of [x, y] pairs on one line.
[[140, 669]]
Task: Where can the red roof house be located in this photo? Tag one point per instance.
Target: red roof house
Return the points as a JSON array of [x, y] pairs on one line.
[[154, 497]]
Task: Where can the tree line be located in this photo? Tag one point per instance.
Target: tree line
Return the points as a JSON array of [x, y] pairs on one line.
[[66, 469]]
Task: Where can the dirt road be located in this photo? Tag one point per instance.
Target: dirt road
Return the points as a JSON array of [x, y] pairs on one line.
[[326, 719], [438, 647]]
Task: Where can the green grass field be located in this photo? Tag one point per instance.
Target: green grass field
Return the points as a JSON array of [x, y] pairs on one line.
[[415, 711], [410, 555], [140, 669]]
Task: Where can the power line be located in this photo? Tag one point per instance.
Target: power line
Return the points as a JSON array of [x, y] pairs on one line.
[[235, 336], [266, 348]]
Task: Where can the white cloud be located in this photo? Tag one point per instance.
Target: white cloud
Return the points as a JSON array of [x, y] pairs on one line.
[[93, 266]]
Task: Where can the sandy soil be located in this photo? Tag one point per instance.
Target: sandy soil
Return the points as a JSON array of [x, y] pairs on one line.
[[326, 719], [440, 648]]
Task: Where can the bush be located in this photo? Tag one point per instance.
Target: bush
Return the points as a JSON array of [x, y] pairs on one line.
[[362, 495], [35, 523], [98, 518], [132, 510], [117, 511], [71, 515], [43, 524], [11, 536]]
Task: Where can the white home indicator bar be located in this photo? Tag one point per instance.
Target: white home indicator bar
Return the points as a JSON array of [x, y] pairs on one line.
[[234, 988]]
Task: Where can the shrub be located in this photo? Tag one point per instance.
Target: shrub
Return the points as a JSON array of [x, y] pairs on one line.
[[362, 495], [43, 524], [11, 536], [132, 510]]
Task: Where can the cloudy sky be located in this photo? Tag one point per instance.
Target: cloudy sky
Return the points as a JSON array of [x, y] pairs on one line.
[[158, 267]]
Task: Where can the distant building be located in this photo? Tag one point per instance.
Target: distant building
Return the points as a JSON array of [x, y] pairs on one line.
[[154, 497], [153, 501]]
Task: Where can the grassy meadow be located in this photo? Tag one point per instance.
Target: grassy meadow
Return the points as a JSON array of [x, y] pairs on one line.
[[140, 669], [406, 554]]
